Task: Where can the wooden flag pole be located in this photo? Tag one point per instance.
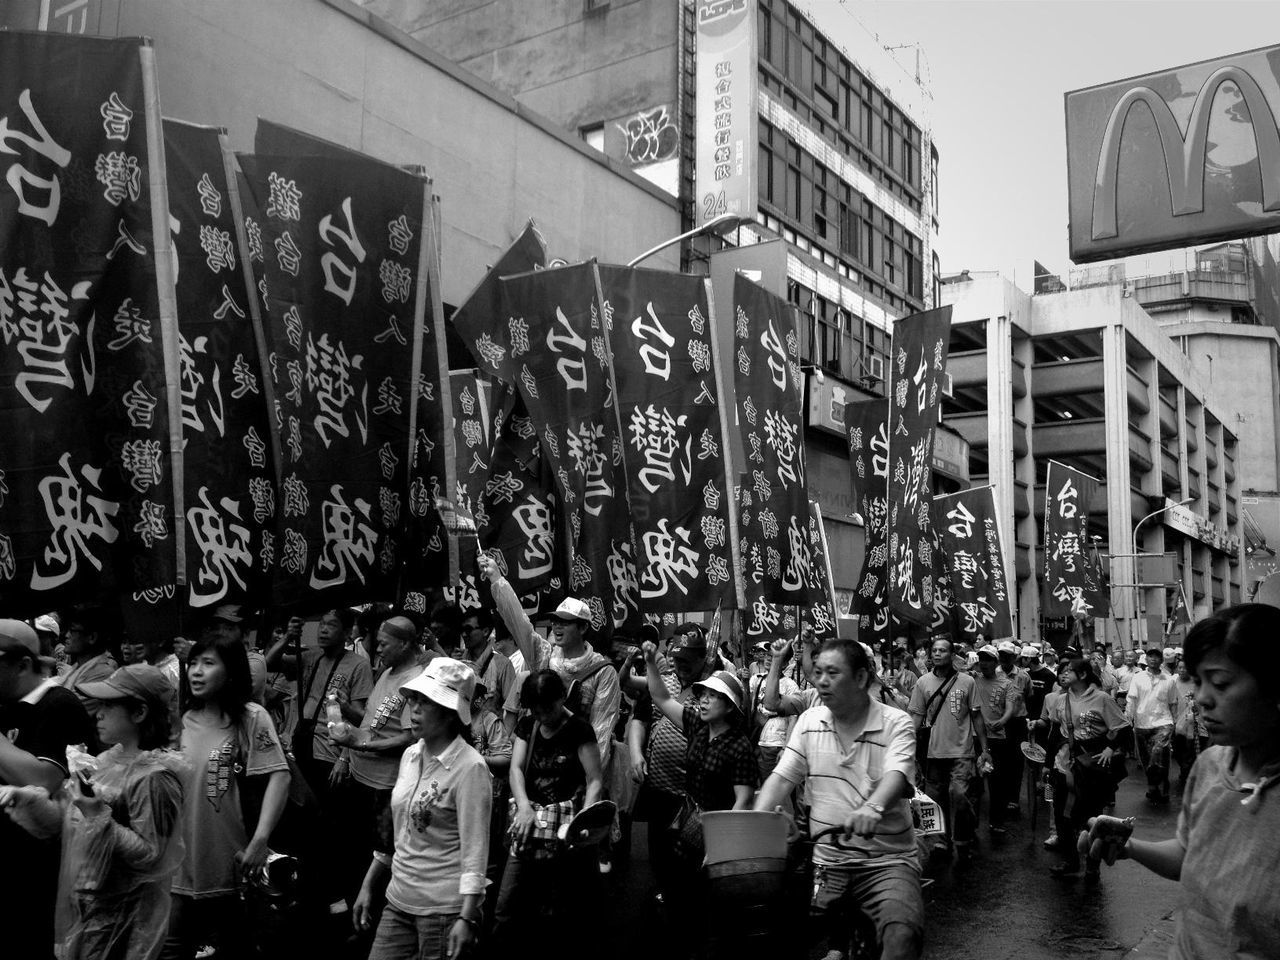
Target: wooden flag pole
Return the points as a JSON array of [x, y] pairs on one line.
[[730, 481], [167, 298]]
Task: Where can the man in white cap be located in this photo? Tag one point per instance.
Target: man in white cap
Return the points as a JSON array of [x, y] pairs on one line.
[[943, 704], [1017, 728], [1041, 681], [594, 693], [39, 719]]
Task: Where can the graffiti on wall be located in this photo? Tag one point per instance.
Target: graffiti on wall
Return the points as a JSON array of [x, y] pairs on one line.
[[649, 135]]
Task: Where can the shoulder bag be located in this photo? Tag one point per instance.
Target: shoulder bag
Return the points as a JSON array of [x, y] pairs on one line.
[[926, 725], [304, 731], [299, 825]]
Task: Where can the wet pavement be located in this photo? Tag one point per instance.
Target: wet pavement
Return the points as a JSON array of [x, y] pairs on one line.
[[1004, 905]]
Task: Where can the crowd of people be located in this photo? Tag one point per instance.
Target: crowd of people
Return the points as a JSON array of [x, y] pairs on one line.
[[400, 786]]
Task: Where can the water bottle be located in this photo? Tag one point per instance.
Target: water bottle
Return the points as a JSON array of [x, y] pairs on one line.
[[332, 710], [1048, 789]]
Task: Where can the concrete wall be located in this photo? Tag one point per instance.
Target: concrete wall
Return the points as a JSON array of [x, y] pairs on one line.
[[333, 69], [1241, 369], [577, 67]]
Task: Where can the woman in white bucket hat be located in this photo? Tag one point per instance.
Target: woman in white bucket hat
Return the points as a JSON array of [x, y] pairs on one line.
[[434, 883]]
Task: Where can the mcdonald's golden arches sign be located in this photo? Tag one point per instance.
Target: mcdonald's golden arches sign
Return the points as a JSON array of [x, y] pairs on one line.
[[1188, 155]]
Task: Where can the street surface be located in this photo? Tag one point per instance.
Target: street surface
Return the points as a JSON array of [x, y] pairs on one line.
[[1003, 906]]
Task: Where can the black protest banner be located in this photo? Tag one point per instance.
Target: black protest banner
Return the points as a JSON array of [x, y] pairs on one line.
[[519, 511], [90, 470], [774, 498], [867, 424], [341, 240], [943, 621], [1180, 616], [229, 474], [1069, 570], [563, 378], [920, 345], [975, 562], [821, 613], [1097, 591], [473, 450], [674, 450], [497, 341], [427, 552]]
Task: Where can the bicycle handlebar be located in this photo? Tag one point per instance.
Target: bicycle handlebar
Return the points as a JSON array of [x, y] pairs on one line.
[[836, 834]]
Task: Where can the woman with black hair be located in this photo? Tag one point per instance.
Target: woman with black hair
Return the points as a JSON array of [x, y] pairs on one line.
[[1088, 761], [1226, 853], [224, 736], [555, 772]]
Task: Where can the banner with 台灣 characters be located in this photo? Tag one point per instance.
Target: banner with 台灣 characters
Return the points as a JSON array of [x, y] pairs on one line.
[[1070, 572], [966, 522], [561, 365], [774, 500], [90, 466], [227, 458], [340, 241], [919, 362], [867, 424], [674, 448], [427, 550]]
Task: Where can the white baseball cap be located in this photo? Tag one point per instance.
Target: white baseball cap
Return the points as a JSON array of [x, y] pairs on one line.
[[571, 608], [988, 650], [1007, 646], [1029, 651]]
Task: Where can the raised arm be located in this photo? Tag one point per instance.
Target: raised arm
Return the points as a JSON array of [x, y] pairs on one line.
[[279, 656], [518, 623], [772, 699], [671, 708]]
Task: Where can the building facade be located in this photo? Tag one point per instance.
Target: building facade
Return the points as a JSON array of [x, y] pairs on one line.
[[846, 173], [356, 80], [1088, 378]]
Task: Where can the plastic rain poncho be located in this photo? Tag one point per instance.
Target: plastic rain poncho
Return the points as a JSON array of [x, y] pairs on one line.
[[117, 867]]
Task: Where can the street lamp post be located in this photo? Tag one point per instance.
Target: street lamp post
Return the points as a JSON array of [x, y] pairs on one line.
[[1138, 586], [718, 225]]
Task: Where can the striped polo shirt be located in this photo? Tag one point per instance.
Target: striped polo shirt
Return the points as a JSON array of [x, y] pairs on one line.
[[838, 780]]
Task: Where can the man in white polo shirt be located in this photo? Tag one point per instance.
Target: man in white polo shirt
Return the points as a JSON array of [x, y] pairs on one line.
[[856, 759]]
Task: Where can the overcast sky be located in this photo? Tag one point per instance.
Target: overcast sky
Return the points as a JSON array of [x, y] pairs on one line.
[[998, 71]]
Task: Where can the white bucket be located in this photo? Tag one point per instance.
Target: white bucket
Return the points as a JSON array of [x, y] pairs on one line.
[[744, 835]]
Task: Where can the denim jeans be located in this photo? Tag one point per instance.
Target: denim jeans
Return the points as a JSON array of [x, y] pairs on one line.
[[402, 936]]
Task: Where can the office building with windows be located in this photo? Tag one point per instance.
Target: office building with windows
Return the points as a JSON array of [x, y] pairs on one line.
[[1087, 377]]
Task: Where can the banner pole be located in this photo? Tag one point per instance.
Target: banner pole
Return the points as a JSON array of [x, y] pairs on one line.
[[231, 168], [166, 296], [429, 257], [617, 418], [730, 483]]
